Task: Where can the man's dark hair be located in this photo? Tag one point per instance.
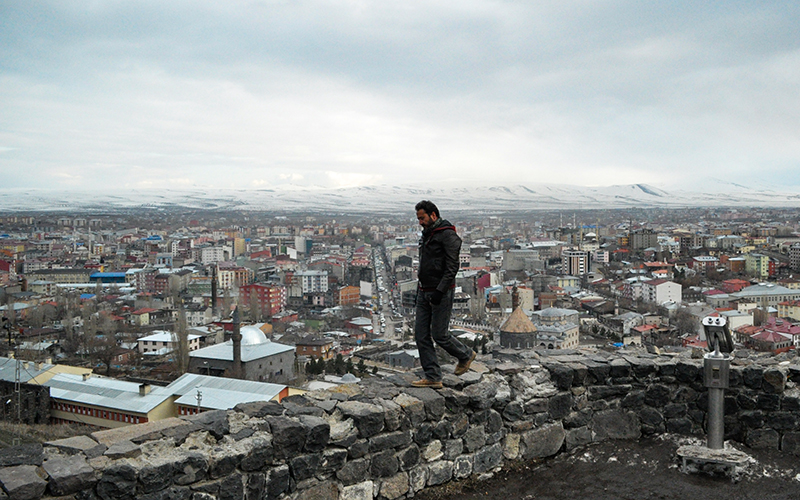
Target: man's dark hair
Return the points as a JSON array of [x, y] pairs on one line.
[[428, 207]]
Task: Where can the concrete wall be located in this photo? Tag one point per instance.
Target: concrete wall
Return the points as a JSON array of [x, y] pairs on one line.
[[384, 440]]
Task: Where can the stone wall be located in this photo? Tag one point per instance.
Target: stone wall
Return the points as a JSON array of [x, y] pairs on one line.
[[382, 439], [34, 403]]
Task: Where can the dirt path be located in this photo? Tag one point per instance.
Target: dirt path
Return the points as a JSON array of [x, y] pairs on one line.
[[622, 470]]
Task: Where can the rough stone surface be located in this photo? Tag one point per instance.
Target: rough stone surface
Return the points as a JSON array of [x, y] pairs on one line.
[[26, 454], [288, 435], [615, 424], [118, 482], [68, 475], [368, 418], [395, 486], [440, 472], [21, 482], [360, 491], [123, 449], [488, 458], [70, 446], [543, 442]]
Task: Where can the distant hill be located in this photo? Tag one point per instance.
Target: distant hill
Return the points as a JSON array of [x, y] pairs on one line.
[[388, 198]]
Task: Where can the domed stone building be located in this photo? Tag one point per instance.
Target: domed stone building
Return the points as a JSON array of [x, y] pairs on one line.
[[262, 360], [518, 332]]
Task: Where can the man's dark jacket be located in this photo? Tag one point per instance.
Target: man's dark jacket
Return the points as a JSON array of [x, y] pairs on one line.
[[439, 249]]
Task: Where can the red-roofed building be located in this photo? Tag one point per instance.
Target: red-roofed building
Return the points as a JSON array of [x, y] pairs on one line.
[[734, 285]]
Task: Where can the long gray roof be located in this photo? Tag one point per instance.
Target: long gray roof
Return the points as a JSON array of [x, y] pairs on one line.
[[224, 351], [105, 392], [221, 393]]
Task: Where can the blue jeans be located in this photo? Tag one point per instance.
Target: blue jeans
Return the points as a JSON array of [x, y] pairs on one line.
[[433, 325]]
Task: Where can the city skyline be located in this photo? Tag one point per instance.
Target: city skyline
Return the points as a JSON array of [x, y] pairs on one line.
[[265, 94]]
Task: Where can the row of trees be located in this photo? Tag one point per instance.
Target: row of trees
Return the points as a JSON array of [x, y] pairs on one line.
[[337, 365]]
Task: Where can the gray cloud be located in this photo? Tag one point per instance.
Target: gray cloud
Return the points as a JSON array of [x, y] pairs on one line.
[[245, 94]]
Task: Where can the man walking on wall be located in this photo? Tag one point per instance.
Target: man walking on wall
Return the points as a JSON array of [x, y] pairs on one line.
[[439, 251]]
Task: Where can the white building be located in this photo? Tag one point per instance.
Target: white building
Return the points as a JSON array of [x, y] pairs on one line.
[[313, 281], [660, 291], [163, 342], [574, 262]]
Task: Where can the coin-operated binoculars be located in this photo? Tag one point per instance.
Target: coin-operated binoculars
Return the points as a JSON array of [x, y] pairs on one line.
[[716, 376]]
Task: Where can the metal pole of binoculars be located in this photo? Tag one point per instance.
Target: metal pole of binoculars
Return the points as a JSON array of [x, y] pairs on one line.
[[716, 369]]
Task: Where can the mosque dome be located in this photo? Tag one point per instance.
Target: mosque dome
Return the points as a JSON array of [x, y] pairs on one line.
[[251, 335]]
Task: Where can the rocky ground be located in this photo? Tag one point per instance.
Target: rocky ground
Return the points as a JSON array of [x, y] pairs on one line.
[[634, 470]]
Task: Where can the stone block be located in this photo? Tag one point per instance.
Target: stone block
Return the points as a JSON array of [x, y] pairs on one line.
[[616, 424], [603, 392], [451, 448], [790, 443], [278, 481], [22, 482], [440, 472], [123, 449], [657, 395], [155, 477], [190, 468], [678, 425], [368, 418], [462, 466], [32, 454], [69, 475], [130, 432], [360, 491], [389, 440], [754, 419], [118, 482], [384, 464], [413, 408], [409, 457], [619, 368], [432, 451], [260, 409], [688, 371], [259, 457], [768, 402], [474, 439], [560, 405], [358, 449], [513, 411], [433, 402], [318, 432], [511, 448], [762, 438], [418, 478], [394, 487], [394, 417], [561, 375], [305, 466], [481, 395], [215, 422], [288, 436], [488, 458], [354, 471], [774, 381], [575, 438], [333, 459], [423, 434], [70, 446], [753, 376], [544, 441], [322, 491]]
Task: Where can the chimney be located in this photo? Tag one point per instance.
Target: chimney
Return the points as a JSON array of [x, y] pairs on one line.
[[37, 366], [144, 389], [514, 298], [236, 337], [86, 376], [214, 291], [48, 361]]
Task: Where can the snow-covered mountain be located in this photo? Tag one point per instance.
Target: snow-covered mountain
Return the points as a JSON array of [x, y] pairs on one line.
[[386, 198]]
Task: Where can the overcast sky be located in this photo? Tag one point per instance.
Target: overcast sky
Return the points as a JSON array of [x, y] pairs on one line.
[[115, 94]]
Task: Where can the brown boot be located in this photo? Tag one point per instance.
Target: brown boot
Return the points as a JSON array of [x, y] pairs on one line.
[[427, 383], [463, 366]]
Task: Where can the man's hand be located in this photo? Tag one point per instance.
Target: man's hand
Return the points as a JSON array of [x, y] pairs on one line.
[[436, 297]]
